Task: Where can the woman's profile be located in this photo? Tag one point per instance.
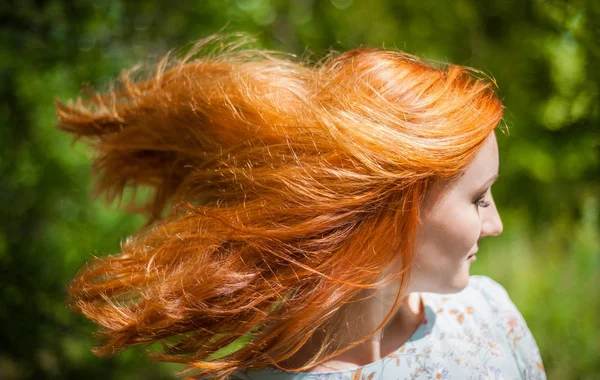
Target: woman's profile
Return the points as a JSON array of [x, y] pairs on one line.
[[305, 221]]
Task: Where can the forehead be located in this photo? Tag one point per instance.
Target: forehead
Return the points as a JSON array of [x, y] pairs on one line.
[[480, 170], [485, 163]]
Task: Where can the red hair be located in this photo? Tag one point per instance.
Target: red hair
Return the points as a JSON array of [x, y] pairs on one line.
[[281, 190]]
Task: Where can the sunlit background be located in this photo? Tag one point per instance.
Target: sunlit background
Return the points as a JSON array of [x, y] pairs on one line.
[[544, 55]]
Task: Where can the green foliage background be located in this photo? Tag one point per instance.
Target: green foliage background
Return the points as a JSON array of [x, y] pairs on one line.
[[544, 55]]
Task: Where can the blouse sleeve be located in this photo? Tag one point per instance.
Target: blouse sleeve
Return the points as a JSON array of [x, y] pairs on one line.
[[510, 321]]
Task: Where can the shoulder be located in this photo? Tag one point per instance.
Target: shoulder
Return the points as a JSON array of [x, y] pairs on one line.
[[269, 373], [487, 285], [496, 299], [482, 295], [493, 302], [509, 322], [492, 292]]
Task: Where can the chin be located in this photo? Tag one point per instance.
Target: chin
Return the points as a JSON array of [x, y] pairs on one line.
[[455, 284], [461, 281], [446, 286], [440, 281], [456, 288]]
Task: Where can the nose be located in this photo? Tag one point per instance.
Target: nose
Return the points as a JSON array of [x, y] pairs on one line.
[[491, 223]]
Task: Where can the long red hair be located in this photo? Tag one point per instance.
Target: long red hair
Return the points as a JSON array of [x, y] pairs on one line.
[[281, 189]]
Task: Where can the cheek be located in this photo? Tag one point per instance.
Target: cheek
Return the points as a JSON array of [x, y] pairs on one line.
[[451, 232], [459, 233]]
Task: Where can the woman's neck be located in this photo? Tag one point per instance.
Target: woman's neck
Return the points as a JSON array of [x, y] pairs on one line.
[[360, 319]]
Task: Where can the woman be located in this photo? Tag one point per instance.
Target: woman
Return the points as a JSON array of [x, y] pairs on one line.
[[306, 220]]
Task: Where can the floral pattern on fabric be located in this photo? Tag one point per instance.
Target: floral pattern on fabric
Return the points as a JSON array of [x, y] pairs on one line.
[[477, 333]]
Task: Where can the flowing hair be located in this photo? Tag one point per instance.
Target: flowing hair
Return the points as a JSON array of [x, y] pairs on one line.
[[280, 190]]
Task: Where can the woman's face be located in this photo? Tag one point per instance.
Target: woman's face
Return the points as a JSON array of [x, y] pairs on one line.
[[455, 215]]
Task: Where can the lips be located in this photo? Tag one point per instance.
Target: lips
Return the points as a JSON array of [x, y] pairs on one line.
[[473, 253]]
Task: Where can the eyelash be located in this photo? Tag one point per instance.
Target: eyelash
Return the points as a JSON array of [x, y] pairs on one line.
[[481, 202]]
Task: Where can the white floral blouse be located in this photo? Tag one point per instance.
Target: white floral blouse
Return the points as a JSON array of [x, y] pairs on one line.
[[475, 334]]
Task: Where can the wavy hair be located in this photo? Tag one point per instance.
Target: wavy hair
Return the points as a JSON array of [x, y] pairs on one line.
[[280, 190]]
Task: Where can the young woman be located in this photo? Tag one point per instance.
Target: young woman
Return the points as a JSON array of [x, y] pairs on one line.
[[307, 221]]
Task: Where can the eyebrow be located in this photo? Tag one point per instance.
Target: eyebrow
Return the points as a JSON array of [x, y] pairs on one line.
[[483, 188]]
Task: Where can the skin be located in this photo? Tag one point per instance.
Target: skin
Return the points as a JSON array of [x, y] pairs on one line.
[[455, 215]]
